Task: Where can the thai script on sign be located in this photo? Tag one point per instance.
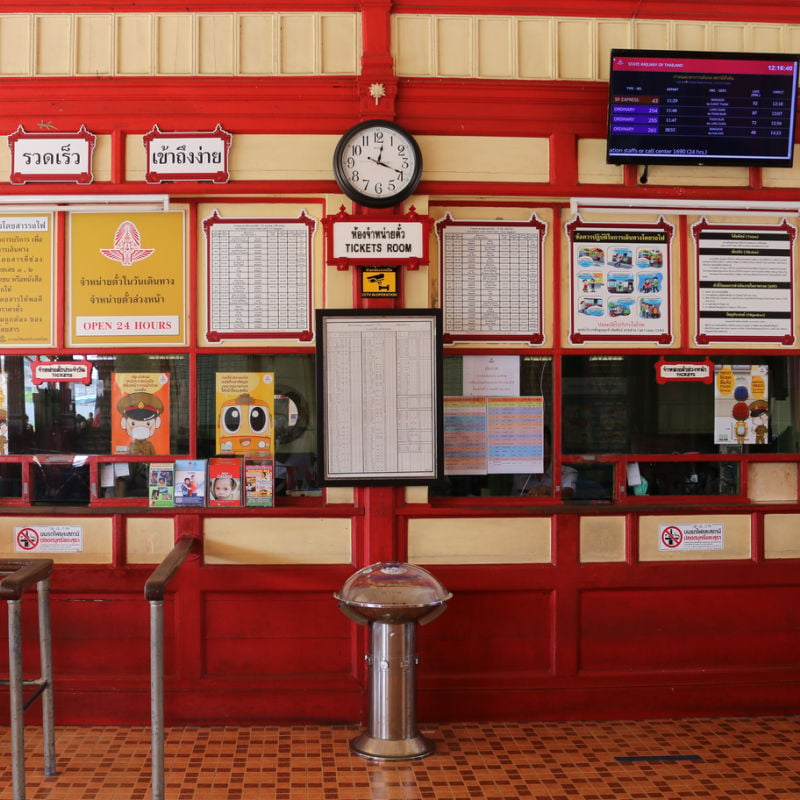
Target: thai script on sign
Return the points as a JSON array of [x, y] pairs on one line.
[[188, 156], [51, 156]]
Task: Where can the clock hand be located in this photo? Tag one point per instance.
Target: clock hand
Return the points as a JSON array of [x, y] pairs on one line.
[[379, 162]]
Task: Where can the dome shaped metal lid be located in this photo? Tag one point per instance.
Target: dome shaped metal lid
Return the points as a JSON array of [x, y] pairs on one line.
[[392, 585]]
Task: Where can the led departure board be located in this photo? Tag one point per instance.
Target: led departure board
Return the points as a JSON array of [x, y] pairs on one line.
[[674, 107]]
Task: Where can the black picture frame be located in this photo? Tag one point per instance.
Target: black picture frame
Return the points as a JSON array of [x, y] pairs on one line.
[[380, 397]]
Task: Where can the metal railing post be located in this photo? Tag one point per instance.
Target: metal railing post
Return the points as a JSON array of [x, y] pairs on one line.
[[16, 698]]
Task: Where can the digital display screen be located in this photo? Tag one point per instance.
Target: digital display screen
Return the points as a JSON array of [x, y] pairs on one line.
[[701, 108]]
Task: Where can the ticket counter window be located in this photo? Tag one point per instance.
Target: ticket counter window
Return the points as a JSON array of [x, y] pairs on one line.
[[674, 434], [292, 407], [62, 412]]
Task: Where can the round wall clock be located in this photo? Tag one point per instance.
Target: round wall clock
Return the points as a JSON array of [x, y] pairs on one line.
[[377, 163]]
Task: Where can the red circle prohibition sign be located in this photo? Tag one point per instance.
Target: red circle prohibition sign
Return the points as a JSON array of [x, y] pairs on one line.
[[27, 538], [672, 536]]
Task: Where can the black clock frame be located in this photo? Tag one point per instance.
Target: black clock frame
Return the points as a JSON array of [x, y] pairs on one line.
[[367, 200]]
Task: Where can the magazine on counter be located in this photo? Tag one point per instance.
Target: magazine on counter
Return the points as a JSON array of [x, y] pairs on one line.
[[224, 481], [190, 482], [259, 479], [161, 484]]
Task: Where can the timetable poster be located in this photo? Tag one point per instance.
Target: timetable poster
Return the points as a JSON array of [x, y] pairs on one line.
[[744, 283], [493, 435], [127, 279], [259, 278], [620, 287], [26, 280], [491, 275]]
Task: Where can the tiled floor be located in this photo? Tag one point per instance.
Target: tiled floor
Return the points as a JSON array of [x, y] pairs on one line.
[[716, 759]]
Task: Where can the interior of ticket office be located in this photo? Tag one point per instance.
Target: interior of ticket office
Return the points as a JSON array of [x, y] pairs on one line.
[[600, 459]]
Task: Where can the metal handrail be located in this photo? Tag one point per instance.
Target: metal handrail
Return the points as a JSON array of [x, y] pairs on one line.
[[21, 575], [154, 590]]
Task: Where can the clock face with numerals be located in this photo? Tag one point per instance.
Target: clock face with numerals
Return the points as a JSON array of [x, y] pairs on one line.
[[377, 163]]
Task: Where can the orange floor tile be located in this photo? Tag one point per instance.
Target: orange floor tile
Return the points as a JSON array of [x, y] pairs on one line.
[[716, 759]]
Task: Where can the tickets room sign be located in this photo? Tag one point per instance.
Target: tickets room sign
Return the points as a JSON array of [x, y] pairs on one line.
[[127, 279]]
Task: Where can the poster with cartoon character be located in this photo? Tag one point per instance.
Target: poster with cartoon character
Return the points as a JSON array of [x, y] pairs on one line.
[[140, 413], [741, 404], [245, 406]]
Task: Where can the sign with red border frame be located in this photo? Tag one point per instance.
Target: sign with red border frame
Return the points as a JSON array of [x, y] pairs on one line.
[[51, 157], [187, 156], [61, 372], [355, 240]]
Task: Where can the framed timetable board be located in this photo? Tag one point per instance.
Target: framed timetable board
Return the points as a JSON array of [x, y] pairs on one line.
[[701, 108], [259, 278], [491, 279], [380, 400]]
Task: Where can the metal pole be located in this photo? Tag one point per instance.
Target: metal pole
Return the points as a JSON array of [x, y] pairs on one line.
[[16, 698], [157, 697], [46, 658]]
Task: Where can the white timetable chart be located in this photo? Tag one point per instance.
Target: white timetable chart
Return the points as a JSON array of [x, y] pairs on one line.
[[259, 277], [491, 278], [380, 410]]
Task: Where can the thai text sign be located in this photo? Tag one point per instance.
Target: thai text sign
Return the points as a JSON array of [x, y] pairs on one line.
[[51, 156], [187, 156], [26, 280], [126, 279]]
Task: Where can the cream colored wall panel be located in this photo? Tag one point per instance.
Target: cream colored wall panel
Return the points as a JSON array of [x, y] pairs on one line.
[[784, 177], [575, 41], [772, 483], [767, 39], [281, 157], [96, 534], [340, 495], [148, 539], [340, 35], [496, 48], [276, 540], [736, 533], [416, 494], [175, 51], [101, 159], [728, 36], [791, 39], [134, 44], [691, 36], [94, 44], [257, 44], [535, 48], [602, 539], [53, 45], [215, 48], [662, 175], [298, 45], [782, 535], [610, 34], [15, 44], [479, 158], [479, 541], [454, 47], [653, 34], [592, 167], [412, 45]]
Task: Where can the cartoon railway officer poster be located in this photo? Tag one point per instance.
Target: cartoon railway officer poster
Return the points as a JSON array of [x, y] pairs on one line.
[[140, 413], [245, 405]]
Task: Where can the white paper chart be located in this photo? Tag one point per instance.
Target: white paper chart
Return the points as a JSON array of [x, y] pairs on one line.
[[491, 278], [259, 274]]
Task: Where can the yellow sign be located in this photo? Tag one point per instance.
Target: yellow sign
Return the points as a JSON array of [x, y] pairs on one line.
[[26, 280], [127, 279], [379, 282]]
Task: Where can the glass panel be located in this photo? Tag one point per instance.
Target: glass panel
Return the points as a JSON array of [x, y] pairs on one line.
[[10, 480], [613, 404], [687, 478], [525, 376], [295, 413], [71, 417]]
